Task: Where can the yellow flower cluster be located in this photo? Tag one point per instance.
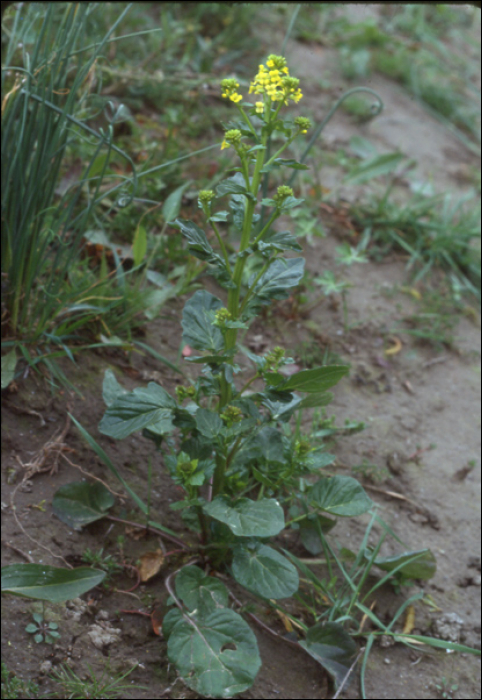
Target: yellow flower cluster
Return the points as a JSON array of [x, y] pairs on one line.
[[275, 81], [230, 89]]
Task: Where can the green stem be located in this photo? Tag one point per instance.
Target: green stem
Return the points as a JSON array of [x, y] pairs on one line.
[[272, 218], [223, 248], [250, 291]]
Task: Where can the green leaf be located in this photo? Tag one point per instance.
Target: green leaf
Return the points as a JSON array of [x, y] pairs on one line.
[[247, 518], [281, 240], [332, 647], [105, 459], [80, 503], [9, 362], [290, 163], [209, 423], [139, 245], [270, 444], [340, 495], [281, 410], [315, 380], [137, 410], [199, 592], [198, 243], [197, 322], [309, 533], [280, 276], [219, 216], [380, 165], [172, 205], [111, 389], [233, 185], [202, 649], [316, 400], [289, 203], [421, 564], [264, 571], [49, 582]]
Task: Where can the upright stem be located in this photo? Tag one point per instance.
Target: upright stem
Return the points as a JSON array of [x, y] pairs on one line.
[[233, 302]]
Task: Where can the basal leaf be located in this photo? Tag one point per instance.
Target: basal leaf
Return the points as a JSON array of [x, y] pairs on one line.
[[80, 503], [340, 495], [199, 592], [216, 655], [197, 322], [264, 571], [49, 582], [315, 380], [332, 647], [136, 410], [247, 518]]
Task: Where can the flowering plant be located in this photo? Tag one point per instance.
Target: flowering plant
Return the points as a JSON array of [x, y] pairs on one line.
[[241, 475]]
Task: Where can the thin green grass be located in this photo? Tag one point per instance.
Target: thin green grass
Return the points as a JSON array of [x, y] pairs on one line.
[[53, 302], [432, 231]]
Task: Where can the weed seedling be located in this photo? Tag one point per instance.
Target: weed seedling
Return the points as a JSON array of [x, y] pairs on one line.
[[44, 631], [446, 688]]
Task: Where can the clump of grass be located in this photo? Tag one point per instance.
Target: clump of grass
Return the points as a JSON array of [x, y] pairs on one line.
[[433, 231], [92, 687]]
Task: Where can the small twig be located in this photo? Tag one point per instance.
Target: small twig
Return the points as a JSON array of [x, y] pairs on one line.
[[336, 695], [25, 555], [52, 448], [435, 361], [32, 539]]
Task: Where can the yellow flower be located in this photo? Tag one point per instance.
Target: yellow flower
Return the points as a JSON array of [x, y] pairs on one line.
[[274, 81], [260, 107], [230, 89]]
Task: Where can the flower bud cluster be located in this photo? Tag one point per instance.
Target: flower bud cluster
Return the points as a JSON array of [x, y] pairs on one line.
[[232, 414], [282, 193]]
